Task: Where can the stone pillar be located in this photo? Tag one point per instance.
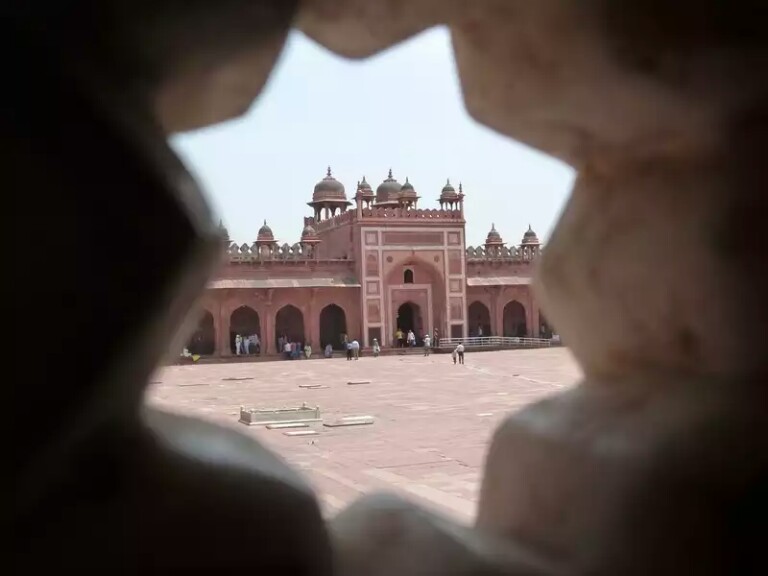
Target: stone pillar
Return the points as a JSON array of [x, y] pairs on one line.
[[222, 331], [269, 330], [312, 319]]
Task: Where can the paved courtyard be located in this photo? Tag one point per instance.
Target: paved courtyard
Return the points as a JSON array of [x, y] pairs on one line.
[[433, 420]]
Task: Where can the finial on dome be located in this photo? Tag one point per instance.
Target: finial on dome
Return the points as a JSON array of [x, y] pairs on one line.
[[493, 227], [328, 173], [447, 181], [460, 188], [390, 173], [406, 180], [265, 221]]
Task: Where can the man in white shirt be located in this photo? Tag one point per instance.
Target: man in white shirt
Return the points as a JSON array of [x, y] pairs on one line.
[[460, 353]]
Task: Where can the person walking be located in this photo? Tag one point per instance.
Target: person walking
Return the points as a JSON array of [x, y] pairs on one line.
[[460, 352], [307, 350], [238, 344], [427, 344], [436, 338], [247, 345], [376, 348], [349, 350], [399, 338], [455, 354], [328, 350], [287, 349], [256, 343], [411, 338], [356, 349]]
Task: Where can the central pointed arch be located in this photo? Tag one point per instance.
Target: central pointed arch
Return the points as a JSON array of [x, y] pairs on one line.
[[289, 323], [479, 319], [246, 322], [333, 323], [203, 340], [514, 319]]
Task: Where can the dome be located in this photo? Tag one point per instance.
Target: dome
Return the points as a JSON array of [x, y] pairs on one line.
[[407, 191], [329, 189], [530, 236], [366, 189], [493, 236], [389, 190], [223, 232], [308, 232], [448, 192], [265, 234]]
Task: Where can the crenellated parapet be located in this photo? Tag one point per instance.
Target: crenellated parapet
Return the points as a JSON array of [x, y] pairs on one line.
[[271, 252], [516, 254]]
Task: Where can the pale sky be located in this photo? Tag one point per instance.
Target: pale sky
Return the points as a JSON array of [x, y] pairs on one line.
[[401, 109]]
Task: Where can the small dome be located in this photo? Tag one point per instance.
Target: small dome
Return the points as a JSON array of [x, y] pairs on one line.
[[448, 192], [389, 190], [308, 232], [493, 236], [407, 191], [530, 236], [265, 233], [366, 189], [329, 189]]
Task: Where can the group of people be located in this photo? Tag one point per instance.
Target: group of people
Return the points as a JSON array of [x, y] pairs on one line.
[[293, 350], [248, 345]]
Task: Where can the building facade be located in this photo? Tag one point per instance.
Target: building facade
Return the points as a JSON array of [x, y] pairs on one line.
[[367, 267]]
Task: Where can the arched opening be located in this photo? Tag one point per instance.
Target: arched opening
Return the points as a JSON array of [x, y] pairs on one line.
[[244, 321], [333, 325], [514, 320], [479, 319], [409, 318], [203, 339], [289, 323], [408, 276]]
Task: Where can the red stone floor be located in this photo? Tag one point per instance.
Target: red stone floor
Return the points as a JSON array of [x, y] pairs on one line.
[[433, 420]]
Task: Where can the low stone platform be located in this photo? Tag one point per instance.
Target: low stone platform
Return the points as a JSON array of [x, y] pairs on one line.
[[433, 419], [264, 416]]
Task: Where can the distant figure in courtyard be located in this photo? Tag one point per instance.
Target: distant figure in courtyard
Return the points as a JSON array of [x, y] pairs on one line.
[[287, 350], [460, 353], [435, 338], [455, 354], [411, 338], [480, 331], [349, 350], [256, 343], [247, 345], [296, 350], [376, 348], [344, 339], [281, 343], [427, 344], [328, 350], [399, 338], [356, 349], [307, 350], [238, 344]]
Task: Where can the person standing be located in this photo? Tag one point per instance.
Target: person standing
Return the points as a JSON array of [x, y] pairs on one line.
[[356, 349], [247, 345], [411, 338], [328, 350], [376, 348], [480, 331], [238, 344], [349, 351], [427, 344], [256, 343], [460, 352], [307, 350], [435, 338], [399, 338], [287, 349], [455, 354]]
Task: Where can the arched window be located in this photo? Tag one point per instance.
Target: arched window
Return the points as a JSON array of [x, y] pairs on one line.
[[408, 276]]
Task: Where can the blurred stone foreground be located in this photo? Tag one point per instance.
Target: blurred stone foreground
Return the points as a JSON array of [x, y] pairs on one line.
[[655, 277]]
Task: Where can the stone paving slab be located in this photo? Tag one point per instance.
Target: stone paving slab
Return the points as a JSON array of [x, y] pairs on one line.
[[433, 419]]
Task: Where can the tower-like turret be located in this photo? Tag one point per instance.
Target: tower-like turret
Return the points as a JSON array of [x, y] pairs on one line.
[[328, 197]]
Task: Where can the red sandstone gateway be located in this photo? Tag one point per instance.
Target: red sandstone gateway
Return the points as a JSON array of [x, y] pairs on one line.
[[366, 269]]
